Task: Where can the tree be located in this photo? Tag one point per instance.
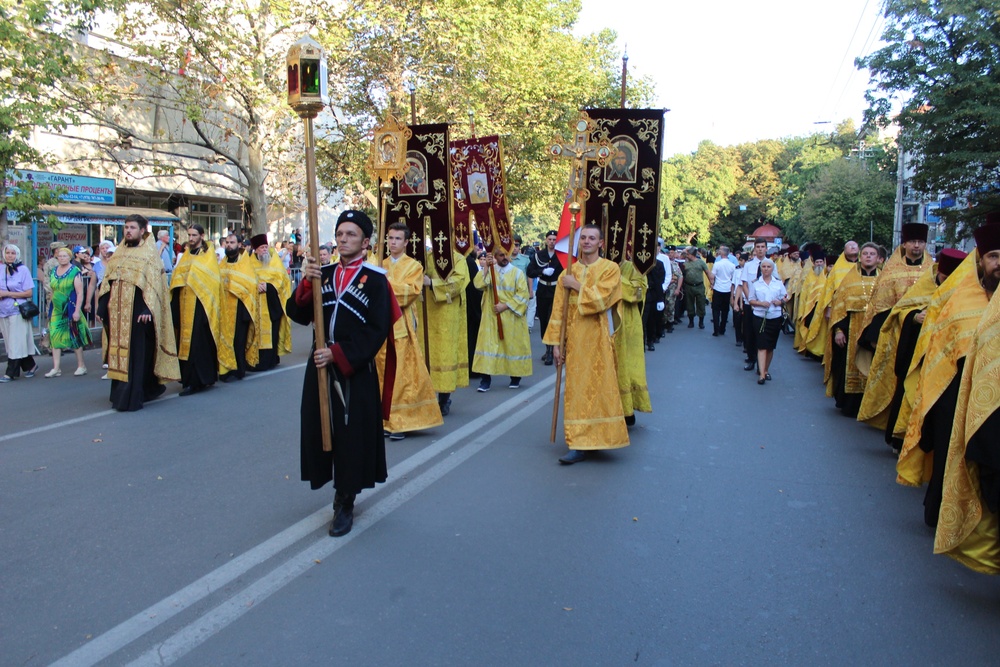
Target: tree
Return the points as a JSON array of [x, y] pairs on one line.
[[36, 52], [199, 93], [850, 200], [940, 63], [697, 189], [516, 67]]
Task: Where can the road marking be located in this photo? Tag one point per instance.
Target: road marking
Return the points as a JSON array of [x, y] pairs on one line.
[[473, 434], [106, 413]]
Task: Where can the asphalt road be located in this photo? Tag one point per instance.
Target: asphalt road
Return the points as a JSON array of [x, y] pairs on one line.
[[744, 525]]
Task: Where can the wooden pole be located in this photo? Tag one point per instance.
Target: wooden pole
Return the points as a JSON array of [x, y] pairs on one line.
[[424, 295], [624, 77], [493, 278], [575, 211], [317, 288]]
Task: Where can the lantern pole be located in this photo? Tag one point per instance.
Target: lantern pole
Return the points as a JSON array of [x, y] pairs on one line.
[[307, 96]]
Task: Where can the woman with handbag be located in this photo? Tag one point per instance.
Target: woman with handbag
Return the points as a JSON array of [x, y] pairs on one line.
[[68, 329], [767, 297], [16, 311]]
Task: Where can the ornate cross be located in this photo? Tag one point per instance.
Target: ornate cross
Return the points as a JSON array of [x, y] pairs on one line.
[[440, 238], [645, 231], [414, 243], [617, 230], [580, 151]]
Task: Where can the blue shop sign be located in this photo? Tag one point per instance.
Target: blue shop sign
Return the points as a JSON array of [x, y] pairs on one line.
[[83, 189]]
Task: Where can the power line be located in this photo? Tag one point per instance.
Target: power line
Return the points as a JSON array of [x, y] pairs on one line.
[[847, 51]]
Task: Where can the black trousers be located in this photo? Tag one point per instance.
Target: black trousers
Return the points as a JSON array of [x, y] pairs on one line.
[[720, 312], [15, 366], [543, 308], [738, 325], [749, 335]]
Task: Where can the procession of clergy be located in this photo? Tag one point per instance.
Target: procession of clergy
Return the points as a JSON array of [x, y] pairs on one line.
[[911, 346]]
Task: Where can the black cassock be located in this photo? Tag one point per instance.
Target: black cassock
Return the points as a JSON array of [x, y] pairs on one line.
[[143, 384], [361, 321]]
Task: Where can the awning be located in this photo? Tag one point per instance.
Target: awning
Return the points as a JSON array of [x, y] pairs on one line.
[[96, 214]]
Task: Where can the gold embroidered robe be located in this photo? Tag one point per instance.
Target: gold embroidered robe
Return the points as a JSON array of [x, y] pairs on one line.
[[414, 405], [849, 301], [512, 355], [629, 348], [198, 279], [967, 530], [593, 417], [239, 285], [447, 327], [273, 274]]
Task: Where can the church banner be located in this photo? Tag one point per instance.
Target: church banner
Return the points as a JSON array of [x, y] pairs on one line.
[[625, 194], [480, 194], [422, 197]]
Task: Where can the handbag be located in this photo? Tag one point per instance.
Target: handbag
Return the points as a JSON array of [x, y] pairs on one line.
[[28, 309]]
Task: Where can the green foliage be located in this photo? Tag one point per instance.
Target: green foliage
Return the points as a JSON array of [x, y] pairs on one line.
[[940, 68], [851, 200], [27, 204], [515, 66], [719, 195], [35, 58]]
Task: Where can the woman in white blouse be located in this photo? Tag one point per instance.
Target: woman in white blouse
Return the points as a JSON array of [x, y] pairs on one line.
[[767, 296]]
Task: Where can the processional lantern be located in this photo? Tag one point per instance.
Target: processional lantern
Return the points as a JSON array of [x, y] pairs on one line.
[[307, 95], [307, 77]]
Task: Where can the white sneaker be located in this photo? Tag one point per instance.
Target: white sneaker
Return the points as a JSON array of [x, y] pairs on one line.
[[105, 377], [104, 366], [82, 370]]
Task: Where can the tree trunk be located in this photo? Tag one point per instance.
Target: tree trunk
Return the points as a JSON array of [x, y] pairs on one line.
[[255, 190]]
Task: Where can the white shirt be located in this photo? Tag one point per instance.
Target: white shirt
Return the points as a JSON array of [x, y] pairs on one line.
[[723, 272], [761, 291], [752, 268]]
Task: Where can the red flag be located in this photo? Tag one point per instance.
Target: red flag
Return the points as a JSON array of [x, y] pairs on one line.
[[562, 236]]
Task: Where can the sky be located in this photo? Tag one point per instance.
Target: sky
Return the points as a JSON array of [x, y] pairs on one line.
[[733, 71]]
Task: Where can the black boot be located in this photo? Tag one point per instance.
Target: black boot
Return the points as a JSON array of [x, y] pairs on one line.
[[444, 402], [547, 359], [691, 323], [701, 322], [343, 514]]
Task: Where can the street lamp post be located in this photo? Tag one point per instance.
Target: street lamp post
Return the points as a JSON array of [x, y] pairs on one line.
[[307, 95]]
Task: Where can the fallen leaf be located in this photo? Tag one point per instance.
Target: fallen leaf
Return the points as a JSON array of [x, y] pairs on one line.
[[567, 608], [317, 561], [158, 477], [97, 440], [635, 518]]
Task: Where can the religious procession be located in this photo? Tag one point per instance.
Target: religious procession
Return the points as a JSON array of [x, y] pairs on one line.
[[499, 399], [907, 345]]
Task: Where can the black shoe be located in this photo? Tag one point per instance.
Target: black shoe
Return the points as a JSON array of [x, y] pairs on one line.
[[767, 376], [156, 393], [515, 383], [547, 362], [670, 329], [739, 343], [187, 391], [691, 324], [760, 380], [573, 456], [445, 407], [750, 365], [651, 347], [343, 515], [701, 325], [630, 420], [483, 387], [715, 334]]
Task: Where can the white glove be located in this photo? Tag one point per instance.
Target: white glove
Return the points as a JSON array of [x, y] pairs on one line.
[[659, 306], [548, 271]]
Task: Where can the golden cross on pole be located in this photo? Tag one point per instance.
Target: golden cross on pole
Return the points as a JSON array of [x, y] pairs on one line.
[[581, 151]]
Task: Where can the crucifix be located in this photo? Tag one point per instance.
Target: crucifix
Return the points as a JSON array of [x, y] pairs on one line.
[[580, 152], [414, 243]]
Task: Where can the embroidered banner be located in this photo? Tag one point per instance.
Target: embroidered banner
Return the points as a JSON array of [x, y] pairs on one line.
[[625, 194], [480, 194], [422, 197]]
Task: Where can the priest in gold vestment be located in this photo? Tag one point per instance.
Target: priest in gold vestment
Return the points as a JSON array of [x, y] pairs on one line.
[[273, 291], [512, 354], [414, 405], [818, 335], [967, 527], [447, 329], [949, 338], [844, 380], [240, 311], [629, 345], [134, 306], [813, 283], [592, 407], [196, 307]]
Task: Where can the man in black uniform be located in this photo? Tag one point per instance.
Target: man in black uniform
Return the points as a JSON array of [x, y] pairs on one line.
[[546, 267], [358, 313]]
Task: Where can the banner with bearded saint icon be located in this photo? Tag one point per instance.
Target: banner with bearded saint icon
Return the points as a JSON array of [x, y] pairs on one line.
[[421, 198], [480, 194], [625, 194]]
